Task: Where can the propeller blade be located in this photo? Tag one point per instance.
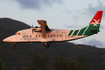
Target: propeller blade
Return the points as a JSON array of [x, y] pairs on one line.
[[43, 31], [32, 26]]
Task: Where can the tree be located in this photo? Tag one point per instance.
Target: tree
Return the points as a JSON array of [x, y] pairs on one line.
[[60, 63], [25, 68], [39, 62], [82, 63], [1, 65], [71, 66]]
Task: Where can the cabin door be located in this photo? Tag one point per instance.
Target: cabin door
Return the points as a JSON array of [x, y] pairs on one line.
[[63, 35]]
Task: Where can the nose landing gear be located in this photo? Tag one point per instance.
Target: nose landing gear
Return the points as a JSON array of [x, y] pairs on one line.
[[47, 46], [14, 44]]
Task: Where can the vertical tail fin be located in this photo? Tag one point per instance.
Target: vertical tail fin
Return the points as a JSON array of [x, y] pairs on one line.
[[94, 25], [91, 29]]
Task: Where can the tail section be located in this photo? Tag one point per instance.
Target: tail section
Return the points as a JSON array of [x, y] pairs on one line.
[[91, 29], [94, 25]]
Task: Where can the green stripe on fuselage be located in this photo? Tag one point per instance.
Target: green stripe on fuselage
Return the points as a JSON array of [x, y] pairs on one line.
[[75, 33], [70, 32], [82, 31], [92, 27], [86, 31]]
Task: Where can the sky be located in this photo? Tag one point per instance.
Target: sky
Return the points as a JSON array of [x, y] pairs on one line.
[[59, 14]]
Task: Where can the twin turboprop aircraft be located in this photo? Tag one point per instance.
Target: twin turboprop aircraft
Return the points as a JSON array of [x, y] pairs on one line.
[[46, 35]]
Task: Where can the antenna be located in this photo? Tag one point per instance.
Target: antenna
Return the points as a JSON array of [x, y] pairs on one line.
[[32, 26]]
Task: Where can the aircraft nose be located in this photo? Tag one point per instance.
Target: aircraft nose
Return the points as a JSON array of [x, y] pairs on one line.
[[6, 40], [9, 39]]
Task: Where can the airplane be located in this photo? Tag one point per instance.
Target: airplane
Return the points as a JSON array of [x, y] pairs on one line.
[[47, 36]]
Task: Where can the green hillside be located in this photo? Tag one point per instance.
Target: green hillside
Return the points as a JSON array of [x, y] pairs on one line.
[[22, 54]]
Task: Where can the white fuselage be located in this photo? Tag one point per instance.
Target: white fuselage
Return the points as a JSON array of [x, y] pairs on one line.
[[28, 36]]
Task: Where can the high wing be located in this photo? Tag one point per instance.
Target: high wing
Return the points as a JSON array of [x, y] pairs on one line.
[[44, 27]]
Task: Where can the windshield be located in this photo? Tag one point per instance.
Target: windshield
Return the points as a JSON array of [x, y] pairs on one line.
[[17, 33]]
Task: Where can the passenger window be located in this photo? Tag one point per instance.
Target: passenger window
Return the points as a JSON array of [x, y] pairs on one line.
[[51, 35], [57, 35], [48, 35], [54, 35], [30, 36], [26, 35]]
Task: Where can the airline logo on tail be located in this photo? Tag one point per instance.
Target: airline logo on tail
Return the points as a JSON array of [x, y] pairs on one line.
[[95, 22], [97, 18]]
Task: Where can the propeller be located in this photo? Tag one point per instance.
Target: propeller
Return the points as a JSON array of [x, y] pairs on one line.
[[32, 27]]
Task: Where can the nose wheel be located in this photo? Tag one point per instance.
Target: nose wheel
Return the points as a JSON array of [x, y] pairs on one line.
[[47, 46], [14, 44]]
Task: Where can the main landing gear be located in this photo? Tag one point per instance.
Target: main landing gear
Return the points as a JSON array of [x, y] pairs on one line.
[[47, 45]]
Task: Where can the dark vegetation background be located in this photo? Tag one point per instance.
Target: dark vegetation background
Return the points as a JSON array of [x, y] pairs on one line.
[[59, 56]]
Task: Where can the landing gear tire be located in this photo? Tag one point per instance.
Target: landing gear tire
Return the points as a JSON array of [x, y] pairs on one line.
[[47, 46], [14, 45]]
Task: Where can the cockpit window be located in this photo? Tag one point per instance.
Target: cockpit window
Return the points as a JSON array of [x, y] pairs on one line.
[[17, 33]]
